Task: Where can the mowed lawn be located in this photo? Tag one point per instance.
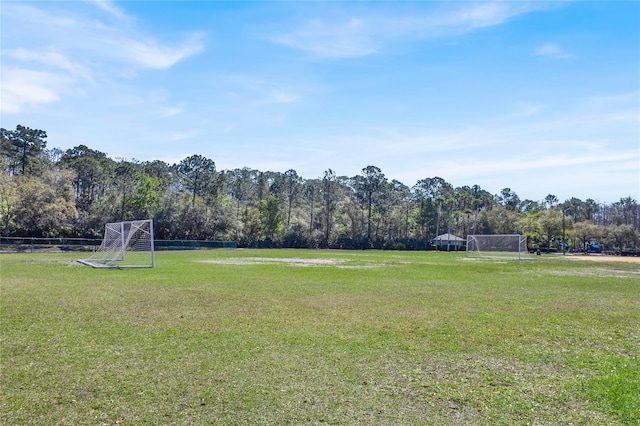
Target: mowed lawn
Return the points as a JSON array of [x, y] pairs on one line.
[[319, 337]]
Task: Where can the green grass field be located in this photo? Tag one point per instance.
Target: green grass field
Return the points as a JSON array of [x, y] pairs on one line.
[[319, 337]]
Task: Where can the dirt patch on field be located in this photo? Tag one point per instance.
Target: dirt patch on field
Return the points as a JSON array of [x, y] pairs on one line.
[[292, 261], [289, 261], [598, 258]]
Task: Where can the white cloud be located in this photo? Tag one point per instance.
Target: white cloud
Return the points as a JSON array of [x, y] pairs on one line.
[[110, 8], [33, 17], [24, 87], [52, 59], [90, 36], [630, 99], [481, 15], [46, 44], [252, 91], [369, 33], [331, 40], [582, 150], [279, 97], [151, 54], [552, 50], [171, 111], [614, 110], [531, 164]]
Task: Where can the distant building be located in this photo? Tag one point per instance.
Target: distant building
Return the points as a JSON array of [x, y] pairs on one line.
[[448, 242]]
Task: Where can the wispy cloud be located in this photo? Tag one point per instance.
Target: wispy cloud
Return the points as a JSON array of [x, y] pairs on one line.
[[51, 59], [171, 111], [546, 162], [280, 97], [536, 144], [48, 56], [331, 40], [552, 50], [363, 32], [252, 91], [471, 16], [151, 54], [110, 8], [488, 14]]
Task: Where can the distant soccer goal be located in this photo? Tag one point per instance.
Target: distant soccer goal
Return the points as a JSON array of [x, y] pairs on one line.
[[510, 246], [125, 245]]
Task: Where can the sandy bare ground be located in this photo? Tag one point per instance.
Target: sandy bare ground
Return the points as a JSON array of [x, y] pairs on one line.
[[288, 261], [601, 258]]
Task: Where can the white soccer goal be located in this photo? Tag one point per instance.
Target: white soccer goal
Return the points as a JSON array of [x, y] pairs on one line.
[[510, 246], [125, 245]]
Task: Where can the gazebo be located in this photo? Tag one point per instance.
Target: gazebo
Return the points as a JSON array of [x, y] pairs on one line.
[[448, 240]]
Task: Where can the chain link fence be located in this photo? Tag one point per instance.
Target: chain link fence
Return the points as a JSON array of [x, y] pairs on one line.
[[34, 245]]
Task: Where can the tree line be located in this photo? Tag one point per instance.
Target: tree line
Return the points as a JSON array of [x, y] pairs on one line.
[[73, 193]]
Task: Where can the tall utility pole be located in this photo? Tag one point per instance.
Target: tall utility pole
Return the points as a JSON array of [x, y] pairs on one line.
[[564, 244]]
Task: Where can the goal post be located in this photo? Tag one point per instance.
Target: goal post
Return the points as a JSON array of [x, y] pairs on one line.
[[125, 245], [506, 246]]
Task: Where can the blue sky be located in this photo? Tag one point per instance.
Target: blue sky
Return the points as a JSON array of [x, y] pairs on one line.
[[541, 97]]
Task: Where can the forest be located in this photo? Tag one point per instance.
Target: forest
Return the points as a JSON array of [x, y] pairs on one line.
[[55, 193]]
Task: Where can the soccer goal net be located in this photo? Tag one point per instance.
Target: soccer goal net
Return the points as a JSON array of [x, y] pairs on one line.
[[512, 246], [125, 245]]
